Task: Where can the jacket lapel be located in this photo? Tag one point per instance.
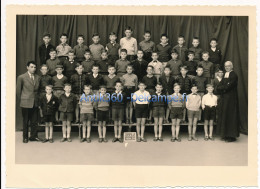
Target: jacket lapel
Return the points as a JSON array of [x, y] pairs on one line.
[[30, 80]]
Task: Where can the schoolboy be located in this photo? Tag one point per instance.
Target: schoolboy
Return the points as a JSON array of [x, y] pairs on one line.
[[122, 63], [196, 49], [215, 54], [95, 79], [208, 67], [157, 65], [191, 64], [164, 49], [129, 43], [80, 49], [67, 106], [44, 79], [96, 48], [181, 48], [147, 46], [44, 49], [103, 63], [140, 65], [52, 62], [69, 65], [87, 63], [111, 79], [174, 63], [113, 49], [63, 48]]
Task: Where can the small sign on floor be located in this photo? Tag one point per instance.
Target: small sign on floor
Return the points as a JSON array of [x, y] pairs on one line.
[[130, 136]]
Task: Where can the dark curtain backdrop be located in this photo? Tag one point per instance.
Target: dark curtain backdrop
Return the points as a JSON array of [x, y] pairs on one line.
[[231, 32]]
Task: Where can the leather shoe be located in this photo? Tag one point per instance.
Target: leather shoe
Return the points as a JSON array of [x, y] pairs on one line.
[[25, 140], [35, 139]]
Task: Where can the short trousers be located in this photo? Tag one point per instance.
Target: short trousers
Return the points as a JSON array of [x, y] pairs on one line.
[[193, 114], [141, 110], [102, 115], [118, 114], [58, 93], [158, 111], [48, 118], [176, 113], [209, 113], [66, 116], [86, 117], [128, 91]]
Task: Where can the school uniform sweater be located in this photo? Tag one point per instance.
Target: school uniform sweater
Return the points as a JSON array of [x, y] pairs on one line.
[[58, 84], [193, 102]]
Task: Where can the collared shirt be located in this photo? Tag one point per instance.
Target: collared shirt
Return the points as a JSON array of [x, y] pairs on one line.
[[227, 74], [141, 97], [129, 44], [96, 50], [60, 76], [209, 100], [63, 49], [164, 52], [158, 67], [48, 96], [31, 75], [79, 51], [182, 52], [147, 46]]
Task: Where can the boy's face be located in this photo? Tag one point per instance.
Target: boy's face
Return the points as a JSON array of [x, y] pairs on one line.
[[181, 41], [46, 39], [95, 70], [147, 37], [67, 89], [123, 55], [195, 42], [80, 40], [44, 70], [213, 44], [141, 87], [96, 39], [177, 89], [199, 71], [111, 70], [31, 68], [104, 56], [183, 71], [194, 90], [159, 88], [128, 33], [154, 56], [118, 86], [164, 40], [167, 71], [87, 56], [149, 71], [129, 69], [220, 74], [205, 56], [210, 89], [79, 69], [53, 54], [174, 56], [103, 91], [59, 70], [48, 90], [140, 54], [191, 57], [71, 56], [87, 90], [112, 38], [63, 39]]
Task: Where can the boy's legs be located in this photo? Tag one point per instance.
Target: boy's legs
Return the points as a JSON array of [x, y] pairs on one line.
[[206, 122], [104, 129], [173, 128], [99, 129], [130, 111], [194, 128], [156, 120], [64, 123], [68, 129], [115, 128], [177, 128], [190, 127], [84, 129], [51, 130], [143, 127], [211, 128], [160, 126], [138, 123], [88, 128], [119, 128], [47, 130]]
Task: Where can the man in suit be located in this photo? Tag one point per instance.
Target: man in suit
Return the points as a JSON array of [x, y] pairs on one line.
[[27, 91]]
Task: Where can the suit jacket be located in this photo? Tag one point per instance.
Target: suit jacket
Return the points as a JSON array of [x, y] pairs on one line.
[[27, 91], [167, 86], [44, 52], [49, 108]]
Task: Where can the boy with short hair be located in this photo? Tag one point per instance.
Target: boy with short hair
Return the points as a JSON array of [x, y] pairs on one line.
[[67, 106], [103, 63], [69, 65], [87, 63], [118, 107], [95, 79], [101, 104], [164, 49], [111, 79], [193, 106], [129, 43], [209, 103], [44, 79], [191, 64], [78, 80], [208, 67], [215, 54], [44, 49], [147, 46], [80, 49], [141, 100], [174, 63], [63, 48], [113, 49], [196, 49], [122, 63], [140, 65], [96, 48], [181, 49], [157, 65], [52, 62]]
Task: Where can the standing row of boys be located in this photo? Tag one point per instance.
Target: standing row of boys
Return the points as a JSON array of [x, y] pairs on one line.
[[82, 72]]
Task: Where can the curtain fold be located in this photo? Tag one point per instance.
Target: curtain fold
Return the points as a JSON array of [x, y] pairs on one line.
[[231, 32]]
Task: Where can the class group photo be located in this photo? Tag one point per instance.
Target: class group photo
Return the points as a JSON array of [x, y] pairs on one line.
[[157, 90]]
